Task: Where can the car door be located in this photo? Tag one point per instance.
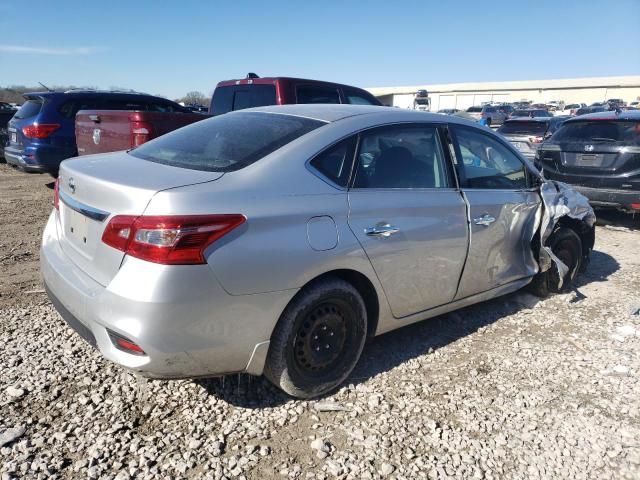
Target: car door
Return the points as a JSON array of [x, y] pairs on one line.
[[503, 206], [408, 216]]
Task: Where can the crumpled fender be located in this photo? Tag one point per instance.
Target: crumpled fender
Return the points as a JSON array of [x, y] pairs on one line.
[[560, 200]]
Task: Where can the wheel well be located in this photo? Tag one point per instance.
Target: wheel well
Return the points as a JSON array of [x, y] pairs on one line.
[[584, 231], [365, 288]]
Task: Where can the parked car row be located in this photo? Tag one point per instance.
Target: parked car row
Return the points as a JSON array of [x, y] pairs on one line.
[[53, 126]]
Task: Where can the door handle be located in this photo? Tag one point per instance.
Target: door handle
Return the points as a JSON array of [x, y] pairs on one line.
[[381, 230], [485, 220]]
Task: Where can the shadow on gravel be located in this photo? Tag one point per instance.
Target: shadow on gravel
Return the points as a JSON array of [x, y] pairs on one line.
[[601, 266], [388, 351]]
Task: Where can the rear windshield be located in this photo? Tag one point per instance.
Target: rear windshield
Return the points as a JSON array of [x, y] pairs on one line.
[[474, 109], [524, 128], [30, 108], [226, 143], [619, 132], [239, 97]]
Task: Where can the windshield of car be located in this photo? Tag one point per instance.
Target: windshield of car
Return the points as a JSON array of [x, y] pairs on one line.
[[524, 128], [227, 142], [30, 108], [600, 131], [474, 109]]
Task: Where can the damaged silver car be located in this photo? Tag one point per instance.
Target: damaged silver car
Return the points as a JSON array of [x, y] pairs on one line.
[[276, 240]]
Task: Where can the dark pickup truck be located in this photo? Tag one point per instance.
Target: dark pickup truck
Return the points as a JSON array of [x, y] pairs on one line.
[[101, 131]]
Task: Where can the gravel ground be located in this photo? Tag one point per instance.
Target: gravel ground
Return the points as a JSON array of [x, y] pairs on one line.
[[512, 388]]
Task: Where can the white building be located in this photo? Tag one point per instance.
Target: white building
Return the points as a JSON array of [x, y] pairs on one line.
[[464, 95]]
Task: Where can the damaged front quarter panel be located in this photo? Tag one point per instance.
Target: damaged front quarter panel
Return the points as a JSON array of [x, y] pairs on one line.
[[560, 201]]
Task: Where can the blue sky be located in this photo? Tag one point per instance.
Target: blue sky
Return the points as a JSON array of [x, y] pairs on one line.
[[190, 45]]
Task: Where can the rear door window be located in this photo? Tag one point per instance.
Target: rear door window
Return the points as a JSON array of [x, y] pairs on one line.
[[226, 142], [125, 104], [313, 94], [401, 157], [30, 108], [69, 108], [357, 98], [239, 97], [487, 163], [165, 107]]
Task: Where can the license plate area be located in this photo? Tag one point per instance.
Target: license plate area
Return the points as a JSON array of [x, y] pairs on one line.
[[76, 227], [14, 137], [589, 160]]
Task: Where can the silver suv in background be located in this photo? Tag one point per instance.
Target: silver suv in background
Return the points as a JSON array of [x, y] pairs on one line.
[[526, 134], [491, 115]]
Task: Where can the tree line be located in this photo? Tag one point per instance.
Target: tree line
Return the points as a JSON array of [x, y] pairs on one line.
[[14, 93]]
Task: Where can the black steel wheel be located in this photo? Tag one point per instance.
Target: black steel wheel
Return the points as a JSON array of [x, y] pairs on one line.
[[567, 246], [318, 339]]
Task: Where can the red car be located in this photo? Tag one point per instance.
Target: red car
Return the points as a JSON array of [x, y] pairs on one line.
[[254, 91]]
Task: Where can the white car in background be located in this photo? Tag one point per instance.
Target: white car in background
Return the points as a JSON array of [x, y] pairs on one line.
[[569, 109]]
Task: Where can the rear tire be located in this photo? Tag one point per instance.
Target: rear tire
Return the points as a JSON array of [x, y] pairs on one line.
[[318, 339], [567, 246], [488, 122]]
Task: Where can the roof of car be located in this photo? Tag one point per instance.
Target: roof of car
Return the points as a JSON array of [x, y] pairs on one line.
[[272, 80], [534, 119], [335, 112], [608, 115], [85, 93]]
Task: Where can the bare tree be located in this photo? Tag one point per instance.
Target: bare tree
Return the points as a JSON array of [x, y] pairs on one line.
[[194, 98]]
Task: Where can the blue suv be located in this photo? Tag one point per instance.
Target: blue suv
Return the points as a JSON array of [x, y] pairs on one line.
[[42, 133]]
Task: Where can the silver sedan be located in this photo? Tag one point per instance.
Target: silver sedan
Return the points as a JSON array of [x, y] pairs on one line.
[[276, 240]]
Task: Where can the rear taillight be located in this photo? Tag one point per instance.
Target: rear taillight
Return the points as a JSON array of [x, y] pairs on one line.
[[635, 206], [40, 130], [536, 139], [169, 240], [56, 194], [141, 132]]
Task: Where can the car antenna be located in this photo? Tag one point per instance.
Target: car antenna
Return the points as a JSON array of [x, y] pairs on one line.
[[47, 88]]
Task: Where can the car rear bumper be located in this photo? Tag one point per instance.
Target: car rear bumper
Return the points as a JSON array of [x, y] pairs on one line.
[[18, 159], [620, 199], [185, 322], [37, 158]]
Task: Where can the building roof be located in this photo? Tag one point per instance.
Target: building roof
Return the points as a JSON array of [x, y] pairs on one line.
[[559, 84]]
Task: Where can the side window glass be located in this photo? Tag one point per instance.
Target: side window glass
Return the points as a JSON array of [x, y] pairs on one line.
[[488, 164], [401, 157], [356, 98], [125, 105], [67, 109], [312, 94], [70, 108], [335, 163]]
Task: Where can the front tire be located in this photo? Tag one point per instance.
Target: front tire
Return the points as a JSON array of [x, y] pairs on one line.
[[318, 339], [567, 246]]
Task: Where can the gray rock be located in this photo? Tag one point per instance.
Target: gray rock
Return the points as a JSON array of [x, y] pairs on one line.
[[387, 469], [11, 435], [14, 392]]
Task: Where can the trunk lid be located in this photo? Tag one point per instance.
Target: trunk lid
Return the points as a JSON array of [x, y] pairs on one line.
[[93, 189]]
